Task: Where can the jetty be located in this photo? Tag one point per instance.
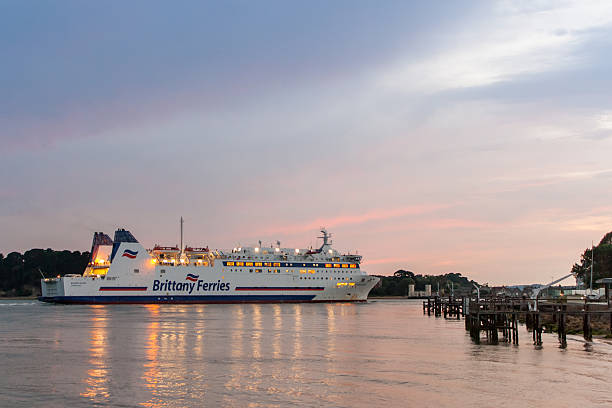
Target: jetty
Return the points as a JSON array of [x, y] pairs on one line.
[[498, 318]]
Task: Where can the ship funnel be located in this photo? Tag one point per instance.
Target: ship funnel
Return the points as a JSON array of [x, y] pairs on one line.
[[99, 239], [121, 235]]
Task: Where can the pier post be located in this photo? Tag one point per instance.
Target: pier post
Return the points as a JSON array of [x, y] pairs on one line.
[[537, 329], [515, 337], [586, 323], [561, 329], [477, 329], [493, 328]]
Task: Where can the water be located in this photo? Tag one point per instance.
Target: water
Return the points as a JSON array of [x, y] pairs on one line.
[[383, 353]]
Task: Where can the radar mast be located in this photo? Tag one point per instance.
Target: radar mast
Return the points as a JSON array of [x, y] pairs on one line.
[[326, 239]]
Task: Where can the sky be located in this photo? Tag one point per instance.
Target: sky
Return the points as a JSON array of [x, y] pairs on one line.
[[468, 136]]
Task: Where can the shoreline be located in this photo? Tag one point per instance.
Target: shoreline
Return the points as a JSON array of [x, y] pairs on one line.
[[19, 298], [369, 298], [397, 297]]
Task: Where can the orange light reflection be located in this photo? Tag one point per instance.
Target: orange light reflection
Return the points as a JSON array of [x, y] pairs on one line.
[[97, 376]]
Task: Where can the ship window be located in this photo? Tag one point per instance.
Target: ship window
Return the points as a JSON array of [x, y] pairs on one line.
[[136, 271], [162, 271]]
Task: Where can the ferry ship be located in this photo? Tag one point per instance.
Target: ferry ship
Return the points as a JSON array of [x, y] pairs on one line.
[[121, 270]]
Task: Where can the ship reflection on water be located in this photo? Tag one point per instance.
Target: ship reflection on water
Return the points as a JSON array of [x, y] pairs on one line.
[[152, 376], [98, 374]]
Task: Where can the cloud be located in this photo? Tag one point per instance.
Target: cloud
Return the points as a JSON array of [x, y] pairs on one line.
[[382, 261], [514, 41], [595, 219], [528, 181], [355, 219]]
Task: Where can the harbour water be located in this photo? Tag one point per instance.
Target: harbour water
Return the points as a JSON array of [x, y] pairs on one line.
[[380, 353]]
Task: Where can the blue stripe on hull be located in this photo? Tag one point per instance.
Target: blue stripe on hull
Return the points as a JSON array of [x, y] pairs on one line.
[[178, 299]]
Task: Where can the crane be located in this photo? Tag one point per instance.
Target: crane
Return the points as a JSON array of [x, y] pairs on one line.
[[536, 292]]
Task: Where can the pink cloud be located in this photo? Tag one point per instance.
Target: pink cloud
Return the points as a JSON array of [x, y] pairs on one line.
[[343, 220], [382, 261], [450, 223]]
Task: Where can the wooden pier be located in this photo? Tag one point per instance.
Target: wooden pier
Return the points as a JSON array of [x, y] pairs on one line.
[[498, 318]]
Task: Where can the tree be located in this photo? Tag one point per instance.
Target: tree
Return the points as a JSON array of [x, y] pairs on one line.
[[602, 267], [20, 274]]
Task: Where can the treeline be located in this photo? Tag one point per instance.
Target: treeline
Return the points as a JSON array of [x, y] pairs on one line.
[[602, 267], [20, 274], [397, 285]]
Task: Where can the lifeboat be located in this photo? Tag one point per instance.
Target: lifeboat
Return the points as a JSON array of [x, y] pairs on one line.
[[196, 251]]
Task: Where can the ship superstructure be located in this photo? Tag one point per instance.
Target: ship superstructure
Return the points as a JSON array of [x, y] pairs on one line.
[[121, 270]]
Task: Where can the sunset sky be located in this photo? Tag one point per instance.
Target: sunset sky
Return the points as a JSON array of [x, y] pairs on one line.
[[471, 137]]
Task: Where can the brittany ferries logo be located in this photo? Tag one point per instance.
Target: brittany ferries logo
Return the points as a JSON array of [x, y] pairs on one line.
[[194, 284], [130, 254], [191, 277]]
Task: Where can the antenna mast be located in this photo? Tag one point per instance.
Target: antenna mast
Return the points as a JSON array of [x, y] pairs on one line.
[[592, 262], [182, 234]]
